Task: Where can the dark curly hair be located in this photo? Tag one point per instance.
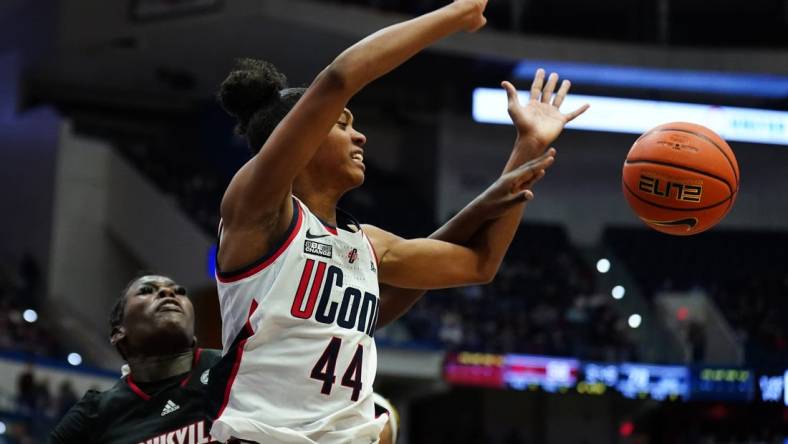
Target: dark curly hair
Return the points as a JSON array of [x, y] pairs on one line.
[[256, 94]]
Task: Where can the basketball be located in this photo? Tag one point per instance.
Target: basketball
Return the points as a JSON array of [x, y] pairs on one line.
[[680, 178]]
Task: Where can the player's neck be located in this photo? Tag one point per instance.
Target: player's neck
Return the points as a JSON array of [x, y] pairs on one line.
[[322, 205], [319, 196], [156, 368]]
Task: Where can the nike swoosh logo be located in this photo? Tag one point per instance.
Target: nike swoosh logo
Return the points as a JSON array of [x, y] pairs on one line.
[[690, 222], [315, 236]]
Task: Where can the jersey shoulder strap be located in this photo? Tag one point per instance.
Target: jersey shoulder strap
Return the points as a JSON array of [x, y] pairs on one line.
[[208, 358], [228, 277]]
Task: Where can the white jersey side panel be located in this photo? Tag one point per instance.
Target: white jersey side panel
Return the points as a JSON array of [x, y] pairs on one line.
[[301, 323]]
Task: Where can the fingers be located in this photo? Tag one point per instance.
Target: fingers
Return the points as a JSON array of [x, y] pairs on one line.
[[534, 180], [542, 162], [562, 92], [522, 196], [549, 153], [571, 116], [511, 95], [527, 182], [531, 169], [547, 93], [528, 175], [536, 85]]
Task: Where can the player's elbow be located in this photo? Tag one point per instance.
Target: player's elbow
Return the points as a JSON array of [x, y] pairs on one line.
[[338, 78], [485, 273], [348, 73], [476, 270]]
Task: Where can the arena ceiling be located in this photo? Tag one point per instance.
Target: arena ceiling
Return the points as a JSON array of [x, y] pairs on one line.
[[104, 52]]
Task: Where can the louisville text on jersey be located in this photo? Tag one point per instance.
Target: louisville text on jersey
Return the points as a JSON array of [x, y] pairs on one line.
[[190, 434], [357, 310]]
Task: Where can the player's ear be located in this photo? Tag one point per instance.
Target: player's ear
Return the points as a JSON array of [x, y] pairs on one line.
[[194, 341], [118, 335]]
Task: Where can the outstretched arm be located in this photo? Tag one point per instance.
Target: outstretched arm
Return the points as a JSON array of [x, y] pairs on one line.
[[499, 198], [430, 263], [256, 205]]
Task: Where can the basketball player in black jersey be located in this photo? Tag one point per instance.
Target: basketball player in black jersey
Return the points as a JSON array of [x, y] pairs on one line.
[[165, 397]]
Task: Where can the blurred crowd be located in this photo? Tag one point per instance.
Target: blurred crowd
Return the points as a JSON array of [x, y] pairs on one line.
[[35, 408], [21, 288], [743, 272], [541, 302], [30, 411], [196, 188]]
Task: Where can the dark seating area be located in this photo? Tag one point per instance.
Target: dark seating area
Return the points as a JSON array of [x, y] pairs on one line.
[[744, 272], [541, 302], [35, 406], [194, 168], [21, 290], [621, 21]]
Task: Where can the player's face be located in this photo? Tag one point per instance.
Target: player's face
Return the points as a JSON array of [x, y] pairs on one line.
[[159, 317], [341, 155]]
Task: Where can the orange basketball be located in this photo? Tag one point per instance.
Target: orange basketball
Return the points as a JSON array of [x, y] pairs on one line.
[[680, 178]]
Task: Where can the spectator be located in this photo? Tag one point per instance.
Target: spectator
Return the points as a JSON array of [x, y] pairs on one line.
[[539, 303], [696, 336], [66, 398], [26, 392]]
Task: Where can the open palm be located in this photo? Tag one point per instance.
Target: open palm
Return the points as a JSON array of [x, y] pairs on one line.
[[540, 119]]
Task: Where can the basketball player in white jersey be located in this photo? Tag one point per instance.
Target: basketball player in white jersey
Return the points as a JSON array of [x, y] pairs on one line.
[[298, 279]]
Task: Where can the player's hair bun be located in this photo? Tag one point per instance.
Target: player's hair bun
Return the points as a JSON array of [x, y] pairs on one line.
[[252, 85]]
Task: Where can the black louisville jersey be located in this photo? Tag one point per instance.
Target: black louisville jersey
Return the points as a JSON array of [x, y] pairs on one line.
[[173, 411]]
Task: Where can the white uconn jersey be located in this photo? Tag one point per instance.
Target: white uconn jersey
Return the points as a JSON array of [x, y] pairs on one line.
[[299, 326]]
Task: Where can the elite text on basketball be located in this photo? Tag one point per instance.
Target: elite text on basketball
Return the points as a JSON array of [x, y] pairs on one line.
[[664, 188]]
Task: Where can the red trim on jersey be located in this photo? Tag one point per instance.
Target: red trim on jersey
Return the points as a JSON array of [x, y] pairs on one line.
[[226, 278], [134, 388], [197, 354], [248, 325], [330, 228], [233, 374], [238, 356], [145, 397]]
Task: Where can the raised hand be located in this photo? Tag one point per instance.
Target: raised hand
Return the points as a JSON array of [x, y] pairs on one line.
[[515, 186], [540, 120], [476, 19]]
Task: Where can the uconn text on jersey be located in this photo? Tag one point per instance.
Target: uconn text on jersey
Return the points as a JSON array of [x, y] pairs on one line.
[[357, 310]]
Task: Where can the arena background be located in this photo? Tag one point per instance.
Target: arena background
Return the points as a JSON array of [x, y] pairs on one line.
[[114, 155]]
